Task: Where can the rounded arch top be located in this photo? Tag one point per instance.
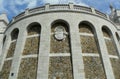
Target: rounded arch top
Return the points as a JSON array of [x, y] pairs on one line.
[[86, 26], [14, 34], [106, 31], [34, 28], [60, 22]]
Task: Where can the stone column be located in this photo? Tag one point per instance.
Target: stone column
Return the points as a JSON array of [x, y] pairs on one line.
[[104, 53], [44, 50], [5, 50], [18, 53], [77, 59]]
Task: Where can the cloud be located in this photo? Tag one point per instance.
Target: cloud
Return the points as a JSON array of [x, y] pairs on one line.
[[51, 1], [2, 9], [32, 4]]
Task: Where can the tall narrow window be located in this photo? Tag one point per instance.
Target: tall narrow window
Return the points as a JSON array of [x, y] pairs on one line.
[[28, 66], [8, 61], [112, 51], [60, 65], [91, 56]]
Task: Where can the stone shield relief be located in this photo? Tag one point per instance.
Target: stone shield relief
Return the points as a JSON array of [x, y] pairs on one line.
[[59, 33]]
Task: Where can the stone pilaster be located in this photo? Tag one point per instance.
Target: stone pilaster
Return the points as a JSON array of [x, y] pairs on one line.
[[5, 50], [17, 54], [104, 54], [44, 50], [77, 59]]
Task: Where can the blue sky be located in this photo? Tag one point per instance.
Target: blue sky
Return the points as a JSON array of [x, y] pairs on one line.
[[14, 7]]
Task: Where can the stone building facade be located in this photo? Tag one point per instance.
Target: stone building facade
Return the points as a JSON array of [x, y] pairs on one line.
[[62, 41]]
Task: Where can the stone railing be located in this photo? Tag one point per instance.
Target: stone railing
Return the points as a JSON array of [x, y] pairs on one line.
[[58, 7]]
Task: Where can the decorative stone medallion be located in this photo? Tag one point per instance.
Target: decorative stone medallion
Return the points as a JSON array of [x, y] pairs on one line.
[[59, 32]]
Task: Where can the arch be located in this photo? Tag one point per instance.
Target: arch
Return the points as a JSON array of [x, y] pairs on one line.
[[60, 44], [14, 34], [106, 31], [90, 48], [112, 50], [60, 22], [87, 34], [34, 28], [31, 48], [110, 44], [87, 23]]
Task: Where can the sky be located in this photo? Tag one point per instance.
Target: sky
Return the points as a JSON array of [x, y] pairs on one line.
[[14, 7]]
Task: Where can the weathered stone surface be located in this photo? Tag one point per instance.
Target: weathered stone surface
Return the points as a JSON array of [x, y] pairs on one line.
[[88, 44], [84, 28], [60, 46], [105, 33], [11, 50], [111, 47], [14, 34], [4, 74], [93, 68], [116, 67], [60, 68], [31, 46], [28, 68], [35, 29]]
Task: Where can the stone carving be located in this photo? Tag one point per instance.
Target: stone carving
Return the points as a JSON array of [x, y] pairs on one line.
[[60, 33]]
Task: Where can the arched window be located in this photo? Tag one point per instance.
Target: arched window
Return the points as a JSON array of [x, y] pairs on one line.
[[7, 64], [29, 64], [60, 65], [91, 55], [112, 51]]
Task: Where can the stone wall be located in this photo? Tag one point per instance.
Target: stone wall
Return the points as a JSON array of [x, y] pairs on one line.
[[60, 68], [31, 46], [88, 44], [60, 46], [11, 50], [116, 67], [92, 65], [28, 68], [4, 74], [93, 68]]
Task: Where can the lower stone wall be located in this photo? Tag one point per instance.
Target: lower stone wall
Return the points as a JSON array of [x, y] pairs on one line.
[[60, 68], [31, 46], [93, 68], [88, 44], [11, 50], [4, 74], [59, 46], [28, 68], [116, 67], [111, 47]]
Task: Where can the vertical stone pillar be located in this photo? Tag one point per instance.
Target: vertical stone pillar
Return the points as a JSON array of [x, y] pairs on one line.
[[47, 6], [44, 50], [17, 53], [93, 10], [5, 50], [77, 59], [104, 54], [71, 5]]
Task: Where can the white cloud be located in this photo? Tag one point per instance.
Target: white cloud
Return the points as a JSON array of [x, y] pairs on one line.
[[82, 4], [2, 9], [32, 4], [51, 1]]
